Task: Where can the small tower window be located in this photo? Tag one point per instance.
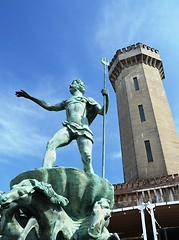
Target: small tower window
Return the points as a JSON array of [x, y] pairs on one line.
[[136, 83], [141, 113], [148, 151]]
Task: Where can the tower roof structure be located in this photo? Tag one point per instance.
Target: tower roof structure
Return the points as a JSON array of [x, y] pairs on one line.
[[131, 55]]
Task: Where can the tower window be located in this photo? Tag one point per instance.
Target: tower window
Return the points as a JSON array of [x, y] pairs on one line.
[[141, 113], [136, 83], [148, 151]]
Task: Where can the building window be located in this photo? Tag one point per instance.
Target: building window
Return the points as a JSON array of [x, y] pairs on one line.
[[141, 113], [136, 83], [148, 151]]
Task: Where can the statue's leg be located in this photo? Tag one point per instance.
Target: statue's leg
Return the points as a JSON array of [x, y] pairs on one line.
[[60, 139], [85, 147]]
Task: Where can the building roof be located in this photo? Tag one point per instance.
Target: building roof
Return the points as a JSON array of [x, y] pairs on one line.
[[130, 198]]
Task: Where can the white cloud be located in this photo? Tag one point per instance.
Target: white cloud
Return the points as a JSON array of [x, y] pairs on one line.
[[116, 155], [23, 126], [118, 24], [16, 137], [122, 23]]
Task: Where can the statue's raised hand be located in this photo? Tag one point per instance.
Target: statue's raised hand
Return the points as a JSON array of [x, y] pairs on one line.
[[22, 93]]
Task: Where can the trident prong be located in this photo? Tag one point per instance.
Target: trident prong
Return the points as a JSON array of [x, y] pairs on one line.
[[105, 61]]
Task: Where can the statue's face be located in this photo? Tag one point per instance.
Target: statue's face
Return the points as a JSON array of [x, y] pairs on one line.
[[73, 87], [76, 85]]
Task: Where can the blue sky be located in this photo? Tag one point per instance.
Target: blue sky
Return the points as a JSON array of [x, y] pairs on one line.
[[45, 44]]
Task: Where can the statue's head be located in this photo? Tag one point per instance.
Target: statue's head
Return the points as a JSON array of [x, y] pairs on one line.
[[77, 84]]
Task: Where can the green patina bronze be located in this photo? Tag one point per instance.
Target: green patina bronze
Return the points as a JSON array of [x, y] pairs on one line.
[[80, 112], [56, 203]]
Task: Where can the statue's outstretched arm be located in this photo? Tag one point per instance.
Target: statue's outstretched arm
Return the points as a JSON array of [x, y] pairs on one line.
[[43, 104]]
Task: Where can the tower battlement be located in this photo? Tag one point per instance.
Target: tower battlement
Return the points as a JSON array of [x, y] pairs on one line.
[[133, 47], [132, 55]]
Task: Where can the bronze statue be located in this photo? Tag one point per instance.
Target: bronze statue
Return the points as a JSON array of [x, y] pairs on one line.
[[61, 203], [80, 112]]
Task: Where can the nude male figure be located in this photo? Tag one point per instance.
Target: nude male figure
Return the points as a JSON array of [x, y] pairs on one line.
[[80, 112]]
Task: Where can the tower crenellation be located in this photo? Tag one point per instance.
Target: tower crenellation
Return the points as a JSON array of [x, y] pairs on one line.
[[133, 47]]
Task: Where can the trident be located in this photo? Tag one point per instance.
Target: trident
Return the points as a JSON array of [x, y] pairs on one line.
[[105, 63]]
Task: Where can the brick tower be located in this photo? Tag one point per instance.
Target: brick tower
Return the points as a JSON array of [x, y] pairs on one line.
[[150, 145]]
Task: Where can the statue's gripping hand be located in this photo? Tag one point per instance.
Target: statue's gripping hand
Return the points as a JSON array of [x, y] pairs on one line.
[[22, 93], [105, 92]]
